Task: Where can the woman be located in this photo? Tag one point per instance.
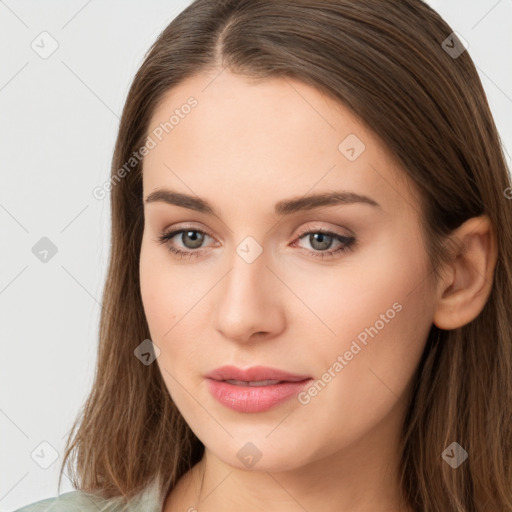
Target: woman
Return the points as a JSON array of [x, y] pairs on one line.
[[307, 302]]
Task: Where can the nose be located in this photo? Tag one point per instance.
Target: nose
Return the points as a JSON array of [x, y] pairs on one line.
[[248, 299]]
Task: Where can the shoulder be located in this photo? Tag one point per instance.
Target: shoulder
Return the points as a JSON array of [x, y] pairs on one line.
[[151, 499], [74, 501]]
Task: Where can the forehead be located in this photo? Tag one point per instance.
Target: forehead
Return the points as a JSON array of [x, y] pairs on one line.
[[273, 137]]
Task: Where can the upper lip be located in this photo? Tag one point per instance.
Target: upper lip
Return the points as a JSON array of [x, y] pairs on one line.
[[256, 373]]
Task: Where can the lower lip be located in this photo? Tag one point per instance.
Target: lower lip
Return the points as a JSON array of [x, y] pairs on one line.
[[253, 398]]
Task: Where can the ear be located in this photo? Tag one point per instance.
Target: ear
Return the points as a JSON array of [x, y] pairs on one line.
[[467, 280]]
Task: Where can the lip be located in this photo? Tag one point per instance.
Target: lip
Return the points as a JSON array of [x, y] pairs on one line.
[[252, 399], [254, 373]]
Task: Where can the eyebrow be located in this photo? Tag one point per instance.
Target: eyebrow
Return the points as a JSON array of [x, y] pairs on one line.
[[284, 207]]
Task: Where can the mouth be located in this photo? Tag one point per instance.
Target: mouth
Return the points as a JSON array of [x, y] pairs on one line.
[[255, 389]]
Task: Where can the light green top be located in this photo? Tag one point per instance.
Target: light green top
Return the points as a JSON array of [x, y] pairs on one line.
[[149, 500]]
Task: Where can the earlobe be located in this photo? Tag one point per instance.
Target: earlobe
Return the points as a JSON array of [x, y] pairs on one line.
[[467, 280]]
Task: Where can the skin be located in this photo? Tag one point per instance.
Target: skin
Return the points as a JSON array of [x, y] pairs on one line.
[[245, 147]]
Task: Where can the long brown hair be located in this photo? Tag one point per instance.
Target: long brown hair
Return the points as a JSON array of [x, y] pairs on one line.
[[390, 64]]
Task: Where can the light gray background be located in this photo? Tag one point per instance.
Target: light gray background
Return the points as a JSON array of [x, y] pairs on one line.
[[59, 119]]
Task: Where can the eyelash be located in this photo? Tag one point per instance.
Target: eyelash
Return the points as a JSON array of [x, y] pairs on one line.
[[347, 241]]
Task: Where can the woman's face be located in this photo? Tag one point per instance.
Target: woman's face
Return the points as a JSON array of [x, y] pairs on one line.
[[260, 285]]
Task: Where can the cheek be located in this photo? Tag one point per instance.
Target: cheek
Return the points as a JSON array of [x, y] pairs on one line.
[[162, 299], [150, 288], [172, 308], [378, 279], [381, 321]]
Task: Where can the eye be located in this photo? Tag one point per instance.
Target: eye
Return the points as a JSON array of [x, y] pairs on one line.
[[321, 241], [191, 238]]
